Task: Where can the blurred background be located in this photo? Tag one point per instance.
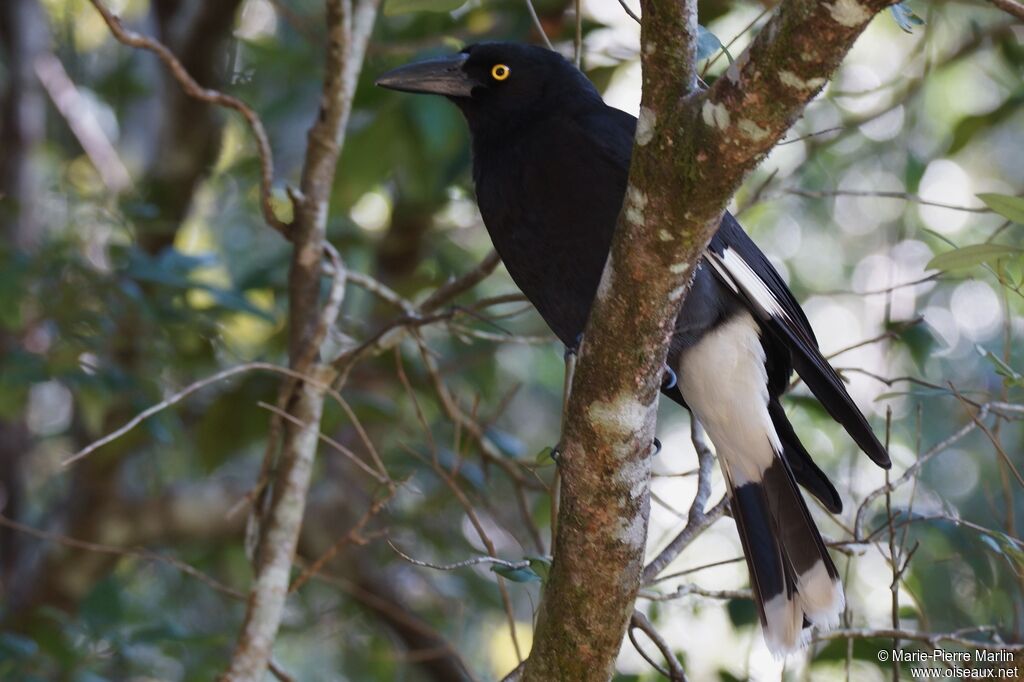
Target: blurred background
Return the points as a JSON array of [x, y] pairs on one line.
[[134, 261]]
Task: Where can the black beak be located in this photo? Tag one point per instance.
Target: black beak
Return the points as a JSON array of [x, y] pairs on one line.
[[442, 76]]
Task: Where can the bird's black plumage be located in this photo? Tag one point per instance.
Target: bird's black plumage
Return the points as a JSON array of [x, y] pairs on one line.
[[550, 165]]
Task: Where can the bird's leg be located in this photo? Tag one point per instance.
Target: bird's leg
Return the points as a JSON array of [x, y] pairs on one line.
[[668, 382], [571, 353]]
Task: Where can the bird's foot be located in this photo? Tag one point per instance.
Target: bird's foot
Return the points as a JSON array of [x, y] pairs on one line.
[[669, 379], [573, 349]]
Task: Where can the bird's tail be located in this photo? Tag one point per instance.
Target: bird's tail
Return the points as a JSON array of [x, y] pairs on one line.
[[724, 380], [794, 581]]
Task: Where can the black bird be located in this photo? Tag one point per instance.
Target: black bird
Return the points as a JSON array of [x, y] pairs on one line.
[[550, 163]]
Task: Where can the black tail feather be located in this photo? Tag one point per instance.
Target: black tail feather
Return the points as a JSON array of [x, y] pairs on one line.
[[800, 462]]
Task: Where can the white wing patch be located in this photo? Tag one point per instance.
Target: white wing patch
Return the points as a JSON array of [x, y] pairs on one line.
[[741, 277]]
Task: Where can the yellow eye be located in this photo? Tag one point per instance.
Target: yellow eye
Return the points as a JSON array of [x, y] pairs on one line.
[[500, 72]]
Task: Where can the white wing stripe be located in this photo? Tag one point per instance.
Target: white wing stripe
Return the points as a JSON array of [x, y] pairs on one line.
[[747, 280]]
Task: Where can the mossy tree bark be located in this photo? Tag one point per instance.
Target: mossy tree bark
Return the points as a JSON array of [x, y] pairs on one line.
[[692, 151]]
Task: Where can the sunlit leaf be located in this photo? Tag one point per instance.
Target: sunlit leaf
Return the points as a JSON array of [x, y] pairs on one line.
[[544, 457], [1011, 377], [969, 256], [707, 44], [1010, 207]]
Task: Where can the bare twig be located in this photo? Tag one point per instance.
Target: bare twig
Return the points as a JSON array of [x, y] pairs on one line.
[[537, 25], [930, 638], [181, 395], [472, 561], [351, 456], [640, 622], [464, 501], [912, 470], [193, 89], [691, 589], [113, 550], [976, 417], [632, 15], [697, 519], [82, 122], [353, 536], [578, 39], [905, 196]]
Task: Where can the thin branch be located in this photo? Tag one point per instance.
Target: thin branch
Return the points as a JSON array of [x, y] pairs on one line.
[[472, 561], [725, 48], [193, 89], [930, 638], [697, 519], [912, 470], [82, 121], [381, 290], [181, 395], [906, 196], [578, 39], [691, 589], [351, 456], [808, 136], [457, 285], [537, 25], [640, 622], [976, 417], [464, 501], [143, 554], [392, 333], [632, 15], [900, 327], [455, 412], [353, 536]]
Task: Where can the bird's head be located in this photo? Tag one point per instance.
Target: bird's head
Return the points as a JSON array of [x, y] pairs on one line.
[[498, 84]]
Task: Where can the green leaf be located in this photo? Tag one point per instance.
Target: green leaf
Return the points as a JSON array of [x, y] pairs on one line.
[[1011, 208], [396, 7], [517, 575], [1011, 377], [544, 458], [920, 341], [541, 566], [741, 612], [905, 17], [969, 256], [707, 44]]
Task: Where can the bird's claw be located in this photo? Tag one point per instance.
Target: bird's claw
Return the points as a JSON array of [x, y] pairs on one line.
[[657, 447], [574, 348], [669, 380]]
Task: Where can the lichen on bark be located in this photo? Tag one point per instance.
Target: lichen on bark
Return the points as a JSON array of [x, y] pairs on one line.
[[692, 151]]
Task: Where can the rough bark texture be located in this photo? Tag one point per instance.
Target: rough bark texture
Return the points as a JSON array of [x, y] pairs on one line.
[[691, 153]]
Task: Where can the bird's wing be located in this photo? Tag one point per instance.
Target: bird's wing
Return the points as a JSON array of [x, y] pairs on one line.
[[741, 265], [611, 130]]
